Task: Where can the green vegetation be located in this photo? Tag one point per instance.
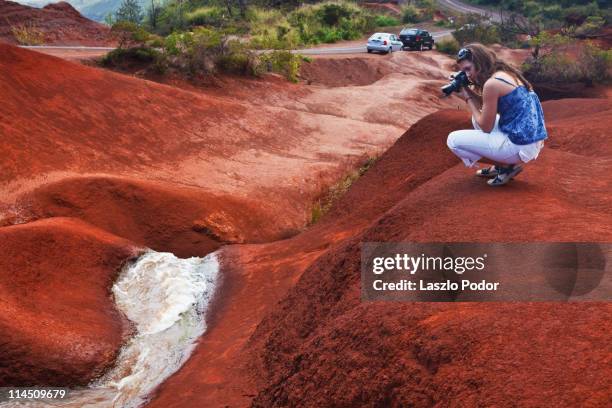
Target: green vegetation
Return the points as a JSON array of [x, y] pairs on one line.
[[574, 12], [383, 20], [335, 192], [556, 61], [27, 34], [418, 11], [410, 14], [206, 16], [288, 26], [204, 37], [473, 29], [197, 53], [448, 46], [283, 62], [129, 10], [329, 22]]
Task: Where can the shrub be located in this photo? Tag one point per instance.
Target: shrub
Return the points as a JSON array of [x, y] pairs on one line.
[[194, 52], [553, 12], [410, 14], [485, 34], [330, 22], [283, 62], [129, 56], [129, 34], [595, 63], [576, 15], [428, 4], [237, 59], [426, 14], [27, 34], [448, 46], [558, 64], [209, 16], [331, 13], [591, 26], [335, 192], [382, 20]]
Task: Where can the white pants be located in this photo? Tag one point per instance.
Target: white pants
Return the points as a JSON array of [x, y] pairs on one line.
[[473, 144]]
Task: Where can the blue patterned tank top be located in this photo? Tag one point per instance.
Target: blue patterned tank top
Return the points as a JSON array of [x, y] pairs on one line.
[[521, 116]]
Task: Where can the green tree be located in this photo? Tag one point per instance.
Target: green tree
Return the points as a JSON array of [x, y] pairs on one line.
[[129, 11], [153, 14]]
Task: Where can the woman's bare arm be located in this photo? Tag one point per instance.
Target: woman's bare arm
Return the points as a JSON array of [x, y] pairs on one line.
[[484, 113], [477, 98]]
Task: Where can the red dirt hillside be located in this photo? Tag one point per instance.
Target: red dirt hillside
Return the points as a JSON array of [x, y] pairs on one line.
[[321, 346], [96, 165], [429, 354], [106, 163], [57, 318], [69, 121], [60, 24]]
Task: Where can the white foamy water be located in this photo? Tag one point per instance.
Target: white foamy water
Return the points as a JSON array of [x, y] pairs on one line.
[[166, 298]]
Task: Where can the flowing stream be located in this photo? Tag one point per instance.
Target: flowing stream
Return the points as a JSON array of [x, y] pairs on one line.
[[166, 298]]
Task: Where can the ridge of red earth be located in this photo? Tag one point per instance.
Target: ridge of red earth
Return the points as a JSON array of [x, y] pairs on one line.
[[184, 220], [60, 24], [83, 151], [58, 322], [264, 143], [291, 330], [181, 170]]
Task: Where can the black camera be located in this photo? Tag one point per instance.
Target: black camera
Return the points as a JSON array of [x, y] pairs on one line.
[[459, 80]]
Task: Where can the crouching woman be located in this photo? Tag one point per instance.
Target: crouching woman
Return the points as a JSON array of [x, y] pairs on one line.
[[506, 113]]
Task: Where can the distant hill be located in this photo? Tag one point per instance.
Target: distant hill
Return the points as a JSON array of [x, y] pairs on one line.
[[93, 9], [54, 24]]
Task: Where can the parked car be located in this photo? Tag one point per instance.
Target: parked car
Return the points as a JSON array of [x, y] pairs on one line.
[[384, 42], [416, 39]]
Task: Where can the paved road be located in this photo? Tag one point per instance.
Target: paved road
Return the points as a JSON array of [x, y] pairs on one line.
[[354, 49], [83, 51], [460, 7], [76, 51], [67, 47]]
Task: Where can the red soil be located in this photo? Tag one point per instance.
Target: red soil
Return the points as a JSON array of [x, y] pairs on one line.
[[321, 346], [172, 169], [356, 71], [164, 217], [60, 23], [390, 7], [78, 121], [185, 170], [57, 319]]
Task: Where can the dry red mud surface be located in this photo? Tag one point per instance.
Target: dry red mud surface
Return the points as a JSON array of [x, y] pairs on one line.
[[152, 165], [60, 23], [56, 320], [320, 346], [135, 163]]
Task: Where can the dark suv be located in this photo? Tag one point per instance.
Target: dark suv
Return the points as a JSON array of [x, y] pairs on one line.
[[415, 38]]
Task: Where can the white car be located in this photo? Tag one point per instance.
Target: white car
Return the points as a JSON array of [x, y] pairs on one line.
[[384, 42]]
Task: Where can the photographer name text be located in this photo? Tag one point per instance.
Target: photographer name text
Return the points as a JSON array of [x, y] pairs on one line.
[[414, 264]]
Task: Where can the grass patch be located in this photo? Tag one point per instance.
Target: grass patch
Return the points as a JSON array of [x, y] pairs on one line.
[[28, 34], [333, 194], [282, 62], [384, 20], [450, 46]]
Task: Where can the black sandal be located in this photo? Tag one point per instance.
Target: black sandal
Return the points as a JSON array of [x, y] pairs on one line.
[[505, 175], [488, 172]]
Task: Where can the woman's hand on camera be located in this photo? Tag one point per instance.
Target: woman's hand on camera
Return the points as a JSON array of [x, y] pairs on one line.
[[464, 94]]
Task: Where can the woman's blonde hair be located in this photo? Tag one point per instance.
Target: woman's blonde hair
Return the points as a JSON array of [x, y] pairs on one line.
[[486, 64]]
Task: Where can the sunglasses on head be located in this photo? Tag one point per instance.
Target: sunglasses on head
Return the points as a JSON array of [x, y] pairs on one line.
[[464, 53]]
